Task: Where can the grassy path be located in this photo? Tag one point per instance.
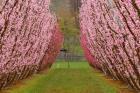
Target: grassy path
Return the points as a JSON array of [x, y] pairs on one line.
[[77, 79]]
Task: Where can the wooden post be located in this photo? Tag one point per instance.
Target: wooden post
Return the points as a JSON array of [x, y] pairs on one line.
[[65, 56]]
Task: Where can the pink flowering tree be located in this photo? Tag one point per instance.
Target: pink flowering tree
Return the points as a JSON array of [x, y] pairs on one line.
[[27, 30], [53, 49], [91, 59], [111, 28]]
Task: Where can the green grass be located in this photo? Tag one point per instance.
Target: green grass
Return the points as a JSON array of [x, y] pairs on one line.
[[73, 65], [80, 78]]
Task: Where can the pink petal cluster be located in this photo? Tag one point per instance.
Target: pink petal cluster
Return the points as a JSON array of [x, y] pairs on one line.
[[27, 32], [53, 49], [91, 59], [111, 31]]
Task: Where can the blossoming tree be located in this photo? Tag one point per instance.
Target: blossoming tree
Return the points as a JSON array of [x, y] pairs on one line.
[[112, 30], [27, 30]]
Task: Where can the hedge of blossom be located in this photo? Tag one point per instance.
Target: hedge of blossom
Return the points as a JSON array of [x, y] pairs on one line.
[[27, 32], [112, 32], [53, 49], [91, 59]]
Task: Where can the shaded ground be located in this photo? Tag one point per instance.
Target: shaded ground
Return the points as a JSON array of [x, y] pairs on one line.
[[79, 78]]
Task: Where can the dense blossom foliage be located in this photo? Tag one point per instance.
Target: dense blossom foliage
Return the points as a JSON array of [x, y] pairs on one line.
[[53, 49], [87, 53], [112, 30], [27, 30]]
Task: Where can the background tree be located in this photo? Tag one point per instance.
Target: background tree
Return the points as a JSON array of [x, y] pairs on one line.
[[66, 15]]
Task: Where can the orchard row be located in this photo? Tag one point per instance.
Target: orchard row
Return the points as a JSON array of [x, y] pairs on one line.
[[30, 39], [110, 36]]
